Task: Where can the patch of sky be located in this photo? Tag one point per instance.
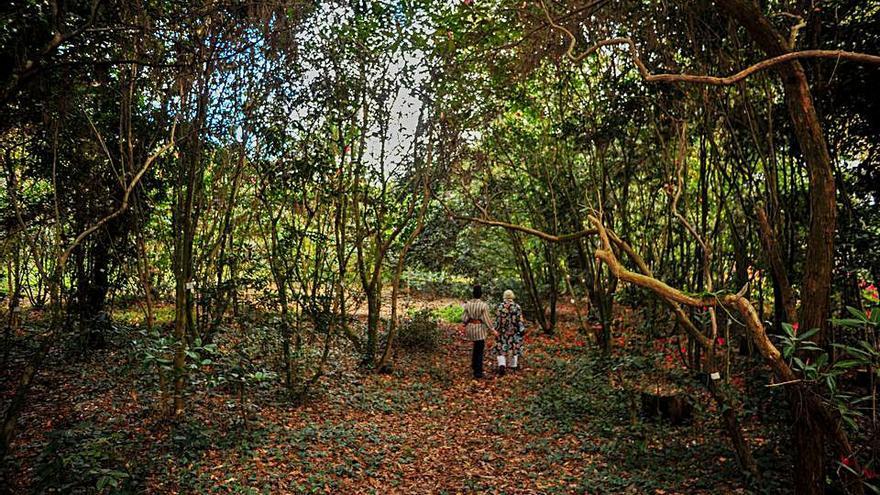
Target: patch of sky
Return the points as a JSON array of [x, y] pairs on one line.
[[340, 63]]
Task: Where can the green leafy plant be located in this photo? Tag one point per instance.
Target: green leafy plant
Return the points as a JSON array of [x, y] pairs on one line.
[[793, 343], [449, 314], [84, 458], [862, 354], [420, 332]]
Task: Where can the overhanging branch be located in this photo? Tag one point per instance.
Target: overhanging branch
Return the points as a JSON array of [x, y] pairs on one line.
[[648, 76]]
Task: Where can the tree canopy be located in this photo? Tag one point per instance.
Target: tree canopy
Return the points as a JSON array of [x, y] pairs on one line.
[[275, 200]]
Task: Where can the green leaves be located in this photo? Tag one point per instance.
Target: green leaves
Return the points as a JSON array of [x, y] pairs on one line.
[[793, 343], [860, 319]]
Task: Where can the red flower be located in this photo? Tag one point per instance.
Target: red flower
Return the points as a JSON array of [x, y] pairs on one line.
[[869, 473], [795, 326], [720, 341], [846, 461]]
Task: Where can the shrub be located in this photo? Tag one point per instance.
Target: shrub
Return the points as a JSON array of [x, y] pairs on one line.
[[449, 314], [420, 332], [85, 459], [437, 283]]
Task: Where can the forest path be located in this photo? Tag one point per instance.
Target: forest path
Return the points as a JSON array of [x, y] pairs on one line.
[[474, 437], [443, 432], [555, 427], [425, 428]]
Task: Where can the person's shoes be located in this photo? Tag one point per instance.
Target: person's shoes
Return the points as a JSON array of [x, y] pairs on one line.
[[502, 370]]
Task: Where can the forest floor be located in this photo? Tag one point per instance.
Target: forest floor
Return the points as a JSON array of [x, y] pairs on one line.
[[559, 425]]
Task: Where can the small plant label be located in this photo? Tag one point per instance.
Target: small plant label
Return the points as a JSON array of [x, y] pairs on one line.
[[715, 376]]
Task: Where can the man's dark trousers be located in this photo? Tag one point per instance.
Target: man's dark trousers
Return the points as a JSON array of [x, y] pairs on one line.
[[477, 358]]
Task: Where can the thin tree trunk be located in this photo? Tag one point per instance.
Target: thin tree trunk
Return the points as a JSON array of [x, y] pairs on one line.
[[819, 260], [398, 271], [14, 275], [528, 278], [733, 428], [777, 269]]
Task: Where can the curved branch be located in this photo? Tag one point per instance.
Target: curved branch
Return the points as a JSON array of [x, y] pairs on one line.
[[648, 76], [528, 230], [754, 328], [643, 267], [753, 323], [62, 260], [645, 276]]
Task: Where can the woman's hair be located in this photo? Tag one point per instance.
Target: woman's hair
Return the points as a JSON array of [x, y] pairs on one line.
[[478, 291], [508, 295]]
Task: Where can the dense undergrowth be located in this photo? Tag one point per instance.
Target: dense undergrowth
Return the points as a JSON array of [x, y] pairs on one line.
[[568, 423]]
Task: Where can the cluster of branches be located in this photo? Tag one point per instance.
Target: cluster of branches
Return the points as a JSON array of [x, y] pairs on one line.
[[704, 182], [216, 158]]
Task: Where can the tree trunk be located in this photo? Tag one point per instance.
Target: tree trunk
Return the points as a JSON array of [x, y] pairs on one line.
[[374, 306], [527, 276], [809, 440], [552, 284], [398, 272], [285, 331], [185, 221], [744, 456], [179, 361], [808, 446], [14, 275], [26, 381], [783, 294], [808, 131]]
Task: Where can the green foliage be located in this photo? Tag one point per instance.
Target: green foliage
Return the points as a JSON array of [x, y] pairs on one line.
[[158, 350], [450, 314], [396, 400], [865, 320], [438, 283], [577, 399], [420, 332], [134, 315], [577, 389], [819, 369], [85, 459], [247, 368]]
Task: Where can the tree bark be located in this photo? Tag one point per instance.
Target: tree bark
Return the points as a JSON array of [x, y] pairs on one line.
[[808, 131], [819, 261], [527, 275], [781, 284]]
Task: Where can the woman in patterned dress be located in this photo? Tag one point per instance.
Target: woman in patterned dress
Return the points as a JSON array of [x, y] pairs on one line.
[[511, 329]]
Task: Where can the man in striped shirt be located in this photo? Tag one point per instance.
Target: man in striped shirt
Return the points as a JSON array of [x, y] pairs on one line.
[[478, 324]]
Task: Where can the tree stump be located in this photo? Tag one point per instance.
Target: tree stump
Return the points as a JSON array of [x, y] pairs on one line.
[[675, 408]]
